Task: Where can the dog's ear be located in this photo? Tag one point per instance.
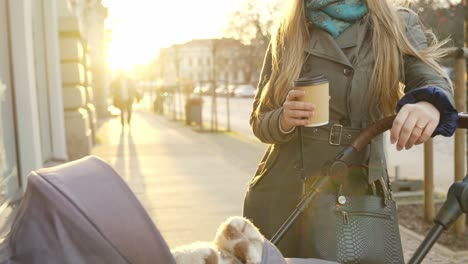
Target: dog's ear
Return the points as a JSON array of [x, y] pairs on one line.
[[212, 258]]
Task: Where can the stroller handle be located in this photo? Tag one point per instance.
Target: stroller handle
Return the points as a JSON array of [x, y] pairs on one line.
[[337, 172], [385, 124]]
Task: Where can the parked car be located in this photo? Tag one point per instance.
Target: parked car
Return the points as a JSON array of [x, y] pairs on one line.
[[245, 90], [231, 89], [221, 90], [205, 89], [197, 89]]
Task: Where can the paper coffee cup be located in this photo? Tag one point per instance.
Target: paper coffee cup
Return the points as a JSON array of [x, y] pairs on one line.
[[316, 92]]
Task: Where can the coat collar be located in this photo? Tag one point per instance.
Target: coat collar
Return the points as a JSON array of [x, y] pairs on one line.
[[349, 37], [323, 45]]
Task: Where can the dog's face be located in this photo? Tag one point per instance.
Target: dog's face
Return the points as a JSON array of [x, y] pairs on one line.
[[242, 239], [237, 241]]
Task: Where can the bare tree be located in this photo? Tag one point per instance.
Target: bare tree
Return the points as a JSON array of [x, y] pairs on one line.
[[444, 18], [252, 25], [434, 4]]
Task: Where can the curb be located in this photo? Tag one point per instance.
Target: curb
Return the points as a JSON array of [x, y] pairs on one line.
[[417, 197]]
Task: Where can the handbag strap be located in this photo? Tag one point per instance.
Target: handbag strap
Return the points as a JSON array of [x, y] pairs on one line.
[[301, 153], [301, 158]]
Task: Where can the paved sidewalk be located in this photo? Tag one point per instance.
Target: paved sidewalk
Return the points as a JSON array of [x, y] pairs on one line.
[[189, 181]]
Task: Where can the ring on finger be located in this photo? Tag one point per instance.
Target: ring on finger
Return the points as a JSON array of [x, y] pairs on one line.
[[420, 130], [420, 127]]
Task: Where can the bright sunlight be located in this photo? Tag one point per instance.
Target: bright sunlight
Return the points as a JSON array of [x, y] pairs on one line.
[[139, 28]]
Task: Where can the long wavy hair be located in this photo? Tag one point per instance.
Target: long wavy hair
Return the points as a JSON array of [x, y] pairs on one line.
[[389, 45]]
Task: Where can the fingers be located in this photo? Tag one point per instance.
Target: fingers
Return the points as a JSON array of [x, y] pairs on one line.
[[297, 105], [416, 133], [293, 117], [298, 113], [295, 95], [406, 131], [295, 112], [293, 101], [398, 124], [427, 133], [414, 124]]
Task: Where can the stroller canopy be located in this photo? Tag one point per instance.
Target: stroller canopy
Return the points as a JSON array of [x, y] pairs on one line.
[[83, 212]]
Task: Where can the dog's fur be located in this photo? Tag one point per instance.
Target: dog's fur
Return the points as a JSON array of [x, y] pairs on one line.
[[237, 241]]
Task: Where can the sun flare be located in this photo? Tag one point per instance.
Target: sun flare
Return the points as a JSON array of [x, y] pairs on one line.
[[138, 29]]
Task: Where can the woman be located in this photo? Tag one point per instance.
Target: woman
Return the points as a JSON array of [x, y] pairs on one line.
[[369, 50]]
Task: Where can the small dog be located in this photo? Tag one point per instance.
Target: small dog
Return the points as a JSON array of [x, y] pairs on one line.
[[237, 241]]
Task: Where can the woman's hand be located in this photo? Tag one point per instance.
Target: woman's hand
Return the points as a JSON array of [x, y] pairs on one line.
[[414, 124], [295, 113]]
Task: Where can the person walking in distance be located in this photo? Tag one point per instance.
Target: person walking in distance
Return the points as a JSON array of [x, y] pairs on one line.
[[124, 92]]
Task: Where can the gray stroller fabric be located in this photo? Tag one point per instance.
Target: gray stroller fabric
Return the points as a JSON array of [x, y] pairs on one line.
[[308, 261], [271, 255], [82, 212]]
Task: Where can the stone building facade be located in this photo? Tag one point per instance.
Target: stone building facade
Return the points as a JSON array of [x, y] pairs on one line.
[[47, 89]]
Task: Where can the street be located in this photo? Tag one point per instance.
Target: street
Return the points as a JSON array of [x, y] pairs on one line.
[[240, 109]]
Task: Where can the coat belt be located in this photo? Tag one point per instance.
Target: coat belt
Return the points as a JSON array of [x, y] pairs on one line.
[[334, 134]]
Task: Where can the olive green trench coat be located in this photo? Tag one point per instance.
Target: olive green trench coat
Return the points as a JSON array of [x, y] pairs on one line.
[[347, 62]]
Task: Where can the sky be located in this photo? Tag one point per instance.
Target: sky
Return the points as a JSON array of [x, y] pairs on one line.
[[140, 27]]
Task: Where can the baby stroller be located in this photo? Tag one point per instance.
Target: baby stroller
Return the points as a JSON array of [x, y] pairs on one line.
[[83, 212]]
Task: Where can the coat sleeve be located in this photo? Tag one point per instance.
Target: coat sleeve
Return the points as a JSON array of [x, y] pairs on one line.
[[265, 125], [423, 83], [418, 74]]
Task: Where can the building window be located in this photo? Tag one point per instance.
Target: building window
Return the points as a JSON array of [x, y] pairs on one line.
[[9, 184], [9, 176]]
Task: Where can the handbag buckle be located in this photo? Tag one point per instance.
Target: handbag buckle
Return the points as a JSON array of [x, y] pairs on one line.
[[332, 138]]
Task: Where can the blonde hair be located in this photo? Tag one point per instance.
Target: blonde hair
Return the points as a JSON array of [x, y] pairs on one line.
[[389, 44]]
